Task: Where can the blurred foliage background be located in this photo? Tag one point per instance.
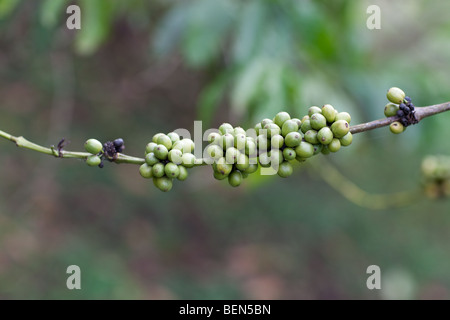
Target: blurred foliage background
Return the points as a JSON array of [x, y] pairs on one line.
[[140, 67]]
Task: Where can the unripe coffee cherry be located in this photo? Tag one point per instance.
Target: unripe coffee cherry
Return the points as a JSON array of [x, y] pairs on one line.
[[235, 179], [289, 154], [146, 171], [258, 127], [325, 150], [325, 135], [277, 141], [306, 125], [304, 150], [219, 176], [329, 112], [151, 159], [272, 129], [304, 118], [239, 141], [298, 121], [313, 110], [340, 128], [264, 160], [175, 156], [171, 170], [150, 147], [311, 136], [335, 145], [188, 145], [280, 118], [250, 147], [263, 143], [214, 151], [213, 137], [231, 155], [174, 137], [276, 156], [346, 140], [158, 170], [163, 183], [93, 160], [390, 110], [188, 160], [93, 146], [265, 122], [252, 168], [395, 95], [239, 130], [289, 126], [293, 139], [318, 121], [156, 136], [244, 175], [317, 148], [227, 141], [223, 167], [183, 173], [225, 128], [285, 169], [343, 116], [242, 162], [161, 152], [396, 127]]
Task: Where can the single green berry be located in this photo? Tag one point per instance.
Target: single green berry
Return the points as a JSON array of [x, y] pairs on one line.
[[281, 118], [297, 121], [293, 139], [285, 169], [313, 110], [235, 178], [276, 156], [305, 118], [242, 162], [264, 159], [289, 126], [156, 136], [311, 136], [252, 168], [150, 147], [183, 173], [346, 140], [250, 147], [188, 145], [325, 135], [214, 137], [258, 127], [93, 146], [219, 176], [334, 145], [263, 143], [304, 150], [343, 116], [214, 151], [325, 150], [340, 128], [244, 175], [174, 137], [277, 141], [317, 148], [163, 183], [289, 154], [171, 170], [231, 155], [151, 159], [390, 110], [158, 170], [239, 130], [306, 125], [188, 160], [265, 122], [175, 156], [223, 167], [225, 128], [161, 152], [396, 127], [93, 160], [227, 141], [239, 141], [146, 171], [272, 129], [318, 121], [329, 112], [395, 95]]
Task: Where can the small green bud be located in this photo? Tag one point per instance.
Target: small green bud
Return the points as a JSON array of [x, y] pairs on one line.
[[343, 116], [175, 156], [395, 95], [390, 110], [158, 170], [304, 150], [188, 160], [225, 128], [277, 141], [289, 126], [235, 178], [183, 173], [174, 137], [340, 128], [93, 146], [396, 127], [285, 169], [281, 118], [313, 110], [346, 140], [325, 135], [293, 139], [318, 121], [329, 112], [306, 125], [93, 160], [335, 145], [171, 170], [161, 152], [146, 171], [150, 147], [311, 136], [151, 159], [163, 183], [289, 154]]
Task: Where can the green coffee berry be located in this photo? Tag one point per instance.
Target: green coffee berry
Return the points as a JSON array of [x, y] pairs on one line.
[[227, 141], [272, 129], [277, 141], [258, 127], [93, 146], [252, 168], [325, 135], [285, 169], [188, 160], [239, 141], [156, 136], [343, 116], [329, 112], [225, 128], [231, 155], [318, 121], [304, 118], [289, 126], [346, 140], [250, 147], [317, 148], [265, 122], [146, 171], [214, 137], [214, 151], [311, 136], [264, 159], [335, 145], [219, 176], [158, 170], [183, 173], [293, 139], [306, 125], [178, 145], [242, 162], [297, 121], [223, 167], [276, 156], [313, 110], [395, 95], [175, 156], [150, 147], [93, 160], [244, 175], [396, 127], [163, 183], [161, 152], [151, 159], [263, 143], [188, 145], [325, 150], [340, 128], [235, 178], [281, 118], [239, 130], [171, 170], [304, 150], [174, 137], [289, 154], [390, 110]]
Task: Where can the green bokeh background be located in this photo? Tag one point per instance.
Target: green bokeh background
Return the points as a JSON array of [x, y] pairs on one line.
[[141, 67]]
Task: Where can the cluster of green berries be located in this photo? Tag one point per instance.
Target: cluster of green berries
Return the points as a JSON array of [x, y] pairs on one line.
[[436, 176], [401, 106], [99, 151], [167, 157]]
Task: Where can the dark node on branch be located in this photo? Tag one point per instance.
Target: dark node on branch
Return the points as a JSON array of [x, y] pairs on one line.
[[61, 144], [112, 148], [406, 113]]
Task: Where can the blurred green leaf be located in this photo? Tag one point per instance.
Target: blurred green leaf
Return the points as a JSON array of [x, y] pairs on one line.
[[7, 6], [52, 11], [210, 97]]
